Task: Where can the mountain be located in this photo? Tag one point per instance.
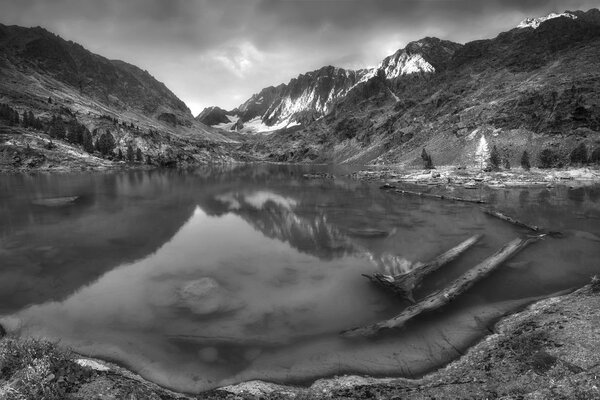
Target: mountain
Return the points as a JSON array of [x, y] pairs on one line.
[[312, 95], [533, 88], [66, 87]]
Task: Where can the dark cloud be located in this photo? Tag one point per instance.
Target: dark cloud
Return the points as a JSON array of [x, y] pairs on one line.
[[218, 52]]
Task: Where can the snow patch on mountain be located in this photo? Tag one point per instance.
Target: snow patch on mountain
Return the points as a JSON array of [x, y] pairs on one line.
[[403, 63], [256, 125], [535, 22]]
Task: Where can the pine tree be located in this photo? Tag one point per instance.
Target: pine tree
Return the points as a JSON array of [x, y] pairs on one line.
[[494, 158], [548, 158], [579, 155], [148, 160], [57, 128], [427, 162], [129, 153], [106, 143], [119, 155], [139, 156], [87, 141], [595, 156], [525, 161]]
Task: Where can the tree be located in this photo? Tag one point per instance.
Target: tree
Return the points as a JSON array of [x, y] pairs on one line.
[[494, 158], [548, 158], [138, 156], [9, 115], [57, 128], [506, 163], [579, 155], [87, 141], [427, 162], [482, 153], [525, 161], [119, 155], [75, 132], [129, 153], [595, 156], [106, 143], [148, 160]]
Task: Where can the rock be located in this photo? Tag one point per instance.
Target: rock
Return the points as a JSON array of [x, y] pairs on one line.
[[206, 296], [95, 365]]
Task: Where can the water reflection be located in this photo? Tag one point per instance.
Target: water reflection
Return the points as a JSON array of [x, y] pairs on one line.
[[201, 279]]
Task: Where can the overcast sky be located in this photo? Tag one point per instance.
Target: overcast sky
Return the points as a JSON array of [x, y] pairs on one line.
[[219, 52]]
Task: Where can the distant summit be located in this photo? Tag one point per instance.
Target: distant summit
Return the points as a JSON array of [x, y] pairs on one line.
[[535, 22]]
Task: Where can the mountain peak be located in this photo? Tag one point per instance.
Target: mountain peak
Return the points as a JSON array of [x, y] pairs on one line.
[[535, 22]]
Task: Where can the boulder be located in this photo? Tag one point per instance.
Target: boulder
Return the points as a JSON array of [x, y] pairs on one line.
[[205, 296]]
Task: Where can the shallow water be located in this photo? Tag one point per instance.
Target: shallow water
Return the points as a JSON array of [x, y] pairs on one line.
[[206, 278]]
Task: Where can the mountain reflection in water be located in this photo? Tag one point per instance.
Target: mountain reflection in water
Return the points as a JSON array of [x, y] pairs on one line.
[[262, 272]]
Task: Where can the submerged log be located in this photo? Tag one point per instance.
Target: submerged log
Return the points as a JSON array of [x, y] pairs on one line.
[[438, 196], [445, 296], [404, 284], [537, 229]]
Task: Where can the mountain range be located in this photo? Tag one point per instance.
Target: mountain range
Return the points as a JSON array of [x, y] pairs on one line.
[[532, 88], [312, 95]]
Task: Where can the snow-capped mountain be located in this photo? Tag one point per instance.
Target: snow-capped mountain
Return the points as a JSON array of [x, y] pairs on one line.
[[312, 95], [535, 22], [423, 56]]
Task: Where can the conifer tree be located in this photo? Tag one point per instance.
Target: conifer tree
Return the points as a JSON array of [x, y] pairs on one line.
[[525, 164], [494, 158], [129, 153]]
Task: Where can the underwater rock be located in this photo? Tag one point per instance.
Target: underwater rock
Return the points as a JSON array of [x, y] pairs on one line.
[[206, 296]]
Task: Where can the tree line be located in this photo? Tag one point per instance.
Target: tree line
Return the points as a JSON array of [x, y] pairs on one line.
[[547, 158], [76, 133]]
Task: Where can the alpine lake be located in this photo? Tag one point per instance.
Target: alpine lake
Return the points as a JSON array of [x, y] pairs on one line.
[[205, 278]]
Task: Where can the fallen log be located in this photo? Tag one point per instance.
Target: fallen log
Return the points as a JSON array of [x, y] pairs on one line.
[[404, 284], [537, 229], [438, 196], [446, 295]]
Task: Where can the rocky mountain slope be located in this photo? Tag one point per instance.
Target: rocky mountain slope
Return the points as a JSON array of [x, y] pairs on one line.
[[312, 95], [65, 86], [533, 88]]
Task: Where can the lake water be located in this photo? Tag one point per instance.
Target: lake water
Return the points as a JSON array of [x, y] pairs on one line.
[[201, 279]]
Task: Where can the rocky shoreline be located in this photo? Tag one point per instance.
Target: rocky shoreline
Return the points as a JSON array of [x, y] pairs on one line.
[[456, 177], [547, 351]]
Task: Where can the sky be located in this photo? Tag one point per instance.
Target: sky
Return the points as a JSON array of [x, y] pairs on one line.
[[220, 52]]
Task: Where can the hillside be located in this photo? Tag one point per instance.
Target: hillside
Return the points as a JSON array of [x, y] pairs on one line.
[[71, 92], [533, 88]]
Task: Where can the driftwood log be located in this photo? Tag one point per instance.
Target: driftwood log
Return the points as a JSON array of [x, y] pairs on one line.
[[404, 284], [534, 228], [434, 196], [445, 296]]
